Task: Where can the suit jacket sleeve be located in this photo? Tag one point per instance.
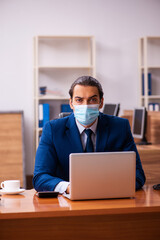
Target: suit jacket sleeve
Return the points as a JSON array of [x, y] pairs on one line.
[[131, 146], [46, 162]]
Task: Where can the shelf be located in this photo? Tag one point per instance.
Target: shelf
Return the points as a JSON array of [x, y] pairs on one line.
[[63, 67], [151, 67], [58, 62], [154, 97], [152, 37], [52, 37], [151, 97], [50, 97], [149, 62]]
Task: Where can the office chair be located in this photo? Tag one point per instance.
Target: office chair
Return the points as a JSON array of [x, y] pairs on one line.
[[64, 114]]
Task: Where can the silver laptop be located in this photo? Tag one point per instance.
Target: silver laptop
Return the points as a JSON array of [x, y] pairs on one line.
[[102, 175]]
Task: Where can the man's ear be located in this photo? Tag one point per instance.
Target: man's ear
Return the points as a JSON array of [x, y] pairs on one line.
[[101, 104], [70, 103]]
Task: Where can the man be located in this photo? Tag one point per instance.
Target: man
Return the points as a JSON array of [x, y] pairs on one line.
[[67, 135]]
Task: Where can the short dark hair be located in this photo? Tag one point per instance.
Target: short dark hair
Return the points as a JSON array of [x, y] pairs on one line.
[[87, 81]]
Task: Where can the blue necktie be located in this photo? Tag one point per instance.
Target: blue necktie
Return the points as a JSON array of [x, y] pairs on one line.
[[89, 144]]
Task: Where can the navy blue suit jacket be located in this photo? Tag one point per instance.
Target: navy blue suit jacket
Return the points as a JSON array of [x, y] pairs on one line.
[[61, 137]]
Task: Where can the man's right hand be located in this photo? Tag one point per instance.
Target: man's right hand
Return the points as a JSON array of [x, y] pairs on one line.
[[68, 189]]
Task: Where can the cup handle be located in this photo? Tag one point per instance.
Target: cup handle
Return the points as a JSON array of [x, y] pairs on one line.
[[2, 184]]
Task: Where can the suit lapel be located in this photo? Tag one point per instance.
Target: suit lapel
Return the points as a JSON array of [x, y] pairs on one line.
[[73, 135], [102, 134]]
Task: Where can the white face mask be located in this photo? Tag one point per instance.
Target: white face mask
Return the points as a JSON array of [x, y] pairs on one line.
[[86, 114]]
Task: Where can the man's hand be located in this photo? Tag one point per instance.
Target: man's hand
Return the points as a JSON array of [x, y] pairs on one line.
[[68, 189]]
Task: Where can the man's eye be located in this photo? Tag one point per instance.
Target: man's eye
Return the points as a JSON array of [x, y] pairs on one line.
[[78, 100], [93, 100]]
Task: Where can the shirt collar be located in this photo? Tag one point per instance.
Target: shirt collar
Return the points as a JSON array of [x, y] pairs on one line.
[[93, 127]]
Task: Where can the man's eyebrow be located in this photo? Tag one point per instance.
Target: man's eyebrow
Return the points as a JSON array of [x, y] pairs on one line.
[[89, 97], [93, 96]]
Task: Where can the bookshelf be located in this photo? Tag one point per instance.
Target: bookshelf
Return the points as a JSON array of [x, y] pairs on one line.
[[149, 68], [58, 61]]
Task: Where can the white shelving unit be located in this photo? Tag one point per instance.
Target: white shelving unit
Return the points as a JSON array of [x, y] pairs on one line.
[[149, 63], [58, 62]]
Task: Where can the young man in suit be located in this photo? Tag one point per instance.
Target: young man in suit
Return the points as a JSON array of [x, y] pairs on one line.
[[85, 130]]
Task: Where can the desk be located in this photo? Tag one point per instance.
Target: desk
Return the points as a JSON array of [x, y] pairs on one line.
[[27, 217]]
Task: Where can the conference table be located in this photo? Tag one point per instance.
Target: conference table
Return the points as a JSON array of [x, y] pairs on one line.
[[25, 216]]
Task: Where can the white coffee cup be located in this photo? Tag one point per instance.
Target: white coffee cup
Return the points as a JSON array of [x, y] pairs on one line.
[[10, 185]]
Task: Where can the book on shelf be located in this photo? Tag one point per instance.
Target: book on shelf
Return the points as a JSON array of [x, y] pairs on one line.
[[43, 114], [153, 107], [149, 84], [40, 112]]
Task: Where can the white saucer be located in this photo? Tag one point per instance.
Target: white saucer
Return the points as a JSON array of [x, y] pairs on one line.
[[2, 191]]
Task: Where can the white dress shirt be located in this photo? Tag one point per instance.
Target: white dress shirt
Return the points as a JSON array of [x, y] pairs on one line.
[[62, 186]]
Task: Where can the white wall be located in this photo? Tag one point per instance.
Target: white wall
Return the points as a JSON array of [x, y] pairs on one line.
[[116, 24]]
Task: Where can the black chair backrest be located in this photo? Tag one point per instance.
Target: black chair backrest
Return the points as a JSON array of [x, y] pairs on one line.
[[64, 114]]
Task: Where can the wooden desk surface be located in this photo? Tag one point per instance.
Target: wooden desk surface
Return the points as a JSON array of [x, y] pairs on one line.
[[151, 147], [29, 205], [27, 217]]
